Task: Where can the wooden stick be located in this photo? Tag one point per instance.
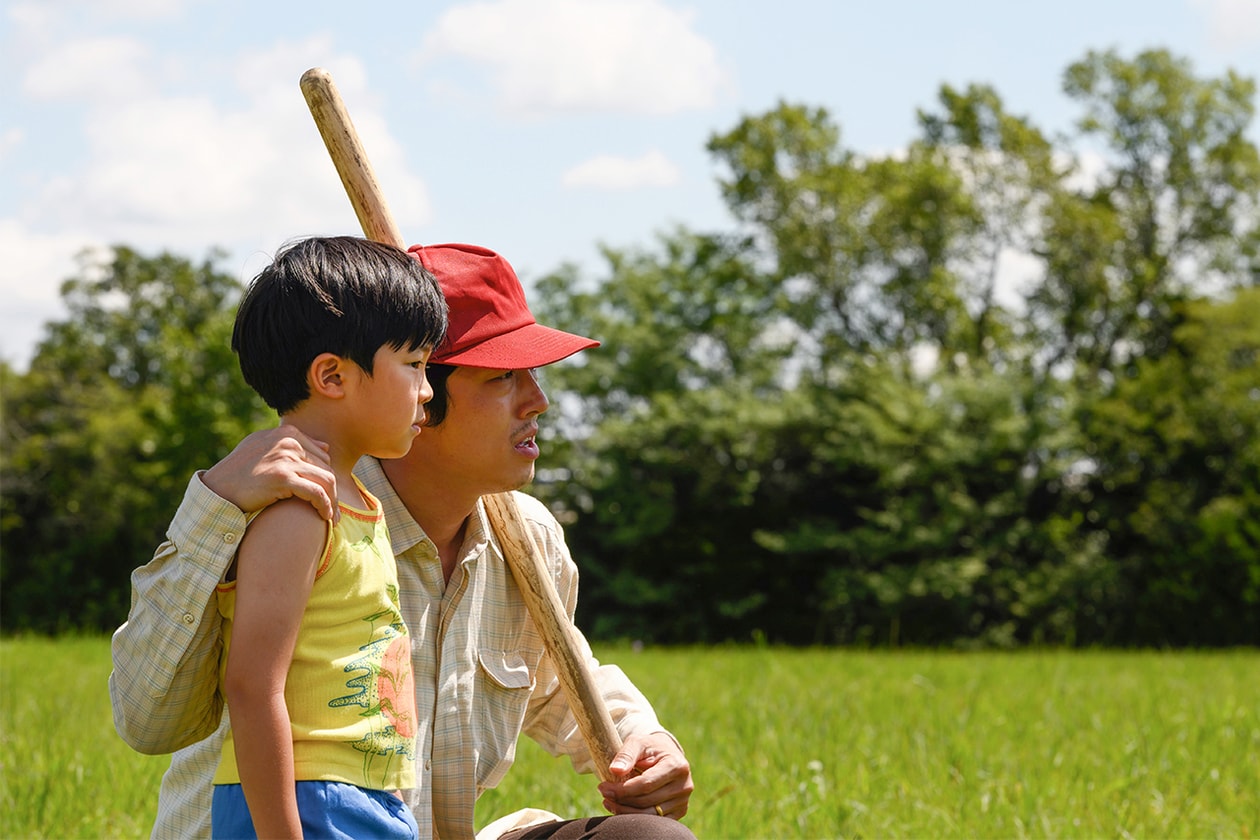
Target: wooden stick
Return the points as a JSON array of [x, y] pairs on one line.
[[558, 633], [523, 557], [348, 156]]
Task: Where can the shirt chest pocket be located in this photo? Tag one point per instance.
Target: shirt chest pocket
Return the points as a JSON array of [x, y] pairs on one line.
[[507, 668], [505, 682]]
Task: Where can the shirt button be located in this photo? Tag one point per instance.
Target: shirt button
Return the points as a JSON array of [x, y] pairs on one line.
[[428, 765], [189, 618], [229, 538]]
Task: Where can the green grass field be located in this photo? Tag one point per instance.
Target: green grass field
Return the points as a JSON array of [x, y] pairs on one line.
[[783, 743]]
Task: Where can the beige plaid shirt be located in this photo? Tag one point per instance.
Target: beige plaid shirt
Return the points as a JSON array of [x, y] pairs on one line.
[[481, 674]]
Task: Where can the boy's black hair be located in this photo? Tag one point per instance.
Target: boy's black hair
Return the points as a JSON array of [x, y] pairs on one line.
[[343, 295]]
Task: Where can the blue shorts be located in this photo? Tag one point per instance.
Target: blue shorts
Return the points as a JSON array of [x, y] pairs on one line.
[[328, 809]]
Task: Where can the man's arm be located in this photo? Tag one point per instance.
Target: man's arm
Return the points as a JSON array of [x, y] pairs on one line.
[[164, 686], [651, 766]]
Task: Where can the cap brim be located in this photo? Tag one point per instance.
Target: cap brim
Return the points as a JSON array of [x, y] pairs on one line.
[[530, 346]]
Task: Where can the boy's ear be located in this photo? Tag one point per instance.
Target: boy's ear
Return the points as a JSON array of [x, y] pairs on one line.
[[326, 376]]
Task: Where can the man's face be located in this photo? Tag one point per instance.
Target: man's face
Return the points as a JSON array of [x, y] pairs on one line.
[[487, 442]]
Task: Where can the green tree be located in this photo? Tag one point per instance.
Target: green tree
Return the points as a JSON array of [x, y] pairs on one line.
[[1008, 169], [1174, 215], [867, 441], [123, 400], [659, 432], [1174, 484], [831, 424], [861, 254]]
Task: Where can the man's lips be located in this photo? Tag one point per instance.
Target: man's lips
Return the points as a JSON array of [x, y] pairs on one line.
[[527, 442]]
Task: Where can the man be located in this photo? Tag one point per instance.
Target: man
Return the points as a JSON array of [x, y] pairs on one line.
[[481, 673]]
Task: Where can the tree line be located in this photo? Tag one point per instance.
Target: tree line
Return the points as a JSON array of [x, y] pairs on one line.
[[1000, 388]]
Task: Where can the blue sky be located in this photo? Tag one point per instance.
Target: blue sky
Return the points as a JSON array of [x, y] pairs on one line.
[[538, 128]]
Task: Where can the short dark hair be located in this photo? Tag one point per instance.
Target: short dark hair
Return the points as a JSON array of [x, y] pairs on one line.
[[343, 295], [435, 409]]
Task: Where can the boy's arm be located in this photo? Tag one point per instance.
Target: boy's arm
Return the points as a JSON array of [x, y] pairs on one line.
[[164, 686], [274, 572]]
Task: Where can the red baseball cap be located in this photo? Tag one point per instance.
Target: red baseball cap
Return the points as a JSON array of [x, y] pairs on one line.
[[490, 325]]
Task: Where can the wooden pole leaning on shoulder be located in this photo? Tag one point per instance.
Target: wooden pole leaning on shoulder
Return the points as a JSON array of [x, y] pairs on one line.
[[522, 554]]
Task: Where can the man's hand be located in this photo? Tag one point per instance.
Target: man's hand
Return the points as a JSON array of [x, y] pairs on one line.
[[276, 464], [653, 777]]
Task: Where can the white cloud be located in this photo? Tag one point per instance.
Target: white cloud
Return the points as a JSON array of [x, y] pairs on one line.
[[1233, 24], [37, 23], [45, 11], [610, 172], [138, 9], [30, 18], [190, 170], [548, 56], [10, 140], [31, 300], [245, 170], [89, 68]]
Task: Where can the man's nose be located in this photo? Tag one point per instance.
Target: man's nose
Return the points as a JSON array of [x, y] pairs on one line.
[[534, 399]]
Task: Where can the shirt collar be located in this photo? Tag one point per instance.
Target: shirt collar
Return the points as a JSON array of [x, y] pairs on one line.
[[479, 533], [404, 532]]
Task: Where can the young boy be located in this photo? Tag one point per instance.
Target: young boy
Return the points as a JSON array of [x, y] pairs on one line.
[[334, 335]]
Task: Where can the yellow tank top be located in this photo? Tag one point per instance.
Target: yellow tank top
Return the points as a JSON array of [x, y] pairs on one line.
[[349, 689]]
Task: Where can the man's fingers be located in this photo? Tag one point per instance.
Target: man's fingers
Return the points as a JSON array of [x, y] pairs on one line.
[[301, 465], [674, 807], [310, 449], [275, 464], [319, 496], [623, 762], [661, 779], [644, 791]]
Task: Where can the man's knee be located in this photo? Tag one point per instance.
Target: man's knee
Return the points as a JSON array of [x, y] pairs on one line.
[[615, 827], [672, 829], [627, 826]]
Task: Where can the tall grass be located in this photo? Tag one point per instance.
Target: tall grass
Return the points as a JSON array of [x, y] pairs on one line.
[[65, 773], [826, 743], [814, 743]]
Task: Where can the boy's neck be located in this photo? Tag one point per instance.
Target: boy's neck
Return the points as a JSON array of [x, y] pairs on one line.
[[342, 459]]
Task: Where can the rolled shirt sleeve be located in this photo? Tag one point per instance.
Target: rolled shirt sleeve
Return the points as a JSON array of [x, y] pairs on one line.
[[164, 684]]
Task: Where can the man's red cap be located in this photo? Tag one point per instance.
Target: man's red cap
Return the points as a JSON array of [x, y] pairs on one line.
[[490, 325]]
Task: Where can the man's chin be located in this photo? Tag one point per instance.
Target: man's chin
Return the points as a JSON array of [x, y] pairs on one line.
[[522, 481]]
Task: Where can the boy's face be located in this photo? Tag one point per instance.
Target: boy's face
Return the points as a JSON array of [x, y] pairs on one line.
[[487, 442], [390, 402]]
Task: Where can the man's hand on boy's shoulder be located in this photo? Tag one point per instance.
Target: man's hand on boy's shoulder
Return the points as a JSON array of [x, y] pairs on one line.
[[274, 464]]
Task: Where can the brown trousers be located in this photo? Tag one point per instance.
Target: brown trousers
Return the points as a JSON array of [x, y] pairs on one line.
[[612, 827]]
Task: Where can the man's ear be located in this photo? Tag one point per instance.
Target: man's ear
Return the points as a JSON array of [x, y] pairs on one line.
[[327, 374]]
